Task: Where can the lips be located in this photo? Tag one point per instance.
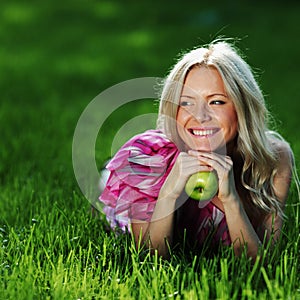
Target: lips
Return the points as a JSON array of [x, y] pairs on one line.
[[203, 132]]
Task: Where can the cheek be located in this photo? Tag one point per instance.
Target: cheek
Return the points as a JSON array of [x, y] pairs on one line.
[[233, 122], [234, 119], [180, 122], [182, 116], [228, 120]]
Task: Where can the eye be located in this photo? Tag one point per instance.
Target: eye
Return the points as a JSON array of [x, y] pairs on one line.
[[217, 102], [184, 103]]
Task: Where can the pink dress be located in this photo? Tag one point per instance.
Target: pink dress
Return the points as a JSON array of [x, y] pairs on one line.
[[137, 172]]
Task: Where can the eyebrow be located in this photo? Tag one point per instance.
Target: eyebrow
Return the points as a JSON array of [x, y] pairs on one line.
[[187, 96], [217, 94], [209, 96]]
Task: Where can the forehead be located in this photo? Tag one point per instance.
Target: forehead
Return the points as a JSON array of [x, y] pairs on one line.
[[203, 79]]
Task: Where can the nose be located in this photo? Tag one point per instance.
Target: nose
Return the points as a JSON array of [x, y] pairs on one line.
[[202, 112]]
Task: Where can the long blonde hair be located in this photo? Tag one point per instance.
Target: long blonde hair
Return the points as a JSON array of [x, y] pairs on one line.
[[254, 137]]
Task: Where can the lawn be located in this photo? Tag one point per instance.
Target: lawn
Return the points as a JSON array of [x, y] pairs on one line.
[[55, 58]]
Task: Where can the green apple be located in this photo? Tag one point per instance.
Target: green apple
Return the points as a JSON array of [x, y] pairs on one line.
[[202, 186]]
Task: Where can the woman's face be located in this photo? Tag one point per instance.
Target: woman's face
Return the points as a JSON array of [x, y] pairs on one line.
[[206, 117]]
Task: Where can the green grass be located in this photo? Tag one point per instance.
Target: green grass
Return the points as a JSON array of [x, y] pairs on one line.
[[70, 255], [55, 57]]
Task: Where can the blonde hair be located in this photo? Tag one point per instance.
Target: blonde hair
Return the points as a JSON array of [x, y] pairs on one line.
[[253, 143]]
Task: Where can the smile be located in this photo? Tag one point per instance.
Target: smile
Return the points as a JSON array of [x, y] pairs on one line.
[[203, 132]]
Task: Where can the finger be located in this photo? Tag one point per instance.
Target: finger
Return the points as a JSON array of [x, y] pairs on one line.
[[188, 161], [198, 168], [212, 155], [194, 166], [187, 165], [210, 158]]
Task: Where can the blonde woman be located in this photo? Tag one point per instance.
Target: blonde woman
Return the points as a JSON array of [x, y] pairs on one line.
[[212, 118]]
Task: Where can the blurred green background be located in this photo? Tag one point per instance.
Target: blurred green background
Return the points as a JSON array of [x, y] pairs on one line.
[[56, 56]]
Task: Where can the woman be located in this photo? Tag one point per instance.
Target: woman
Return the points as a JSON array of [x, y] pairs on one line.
[[212, 117]]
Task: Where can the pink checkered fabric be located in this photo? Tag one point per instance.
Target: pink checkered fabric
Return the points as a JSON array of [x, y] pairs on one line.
[[137, 173]]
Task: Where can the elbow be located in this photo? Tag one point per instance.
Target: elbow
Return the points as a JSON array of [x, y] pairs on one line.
[[161, 247], [250, 250]]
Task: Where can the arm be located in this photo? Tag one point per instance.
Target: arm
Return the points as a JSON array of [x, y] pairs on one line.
[[240, 228], [282, 180], [158, 233]]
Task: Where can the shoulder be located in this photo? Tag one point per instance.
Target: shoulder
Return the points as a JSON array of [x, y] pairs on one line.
[[153, 139], [150, 141], [151, 147], [281, 149], [284, 166]]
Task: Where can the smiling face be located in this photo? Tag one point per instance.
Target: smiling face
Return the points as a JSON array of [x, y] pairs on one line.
[[206, 117]]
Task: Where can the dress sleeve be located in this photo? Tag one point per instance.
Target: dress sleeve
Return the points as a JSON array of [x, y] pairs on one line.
[[137, 172]]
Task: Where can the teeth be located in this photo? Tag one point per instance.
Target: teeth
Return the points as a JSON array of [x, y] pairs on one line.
[[203, 132]]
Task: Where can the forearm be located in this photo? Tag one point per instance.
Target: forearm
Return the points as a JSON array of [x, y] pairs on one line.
[[158, 233], [240, 228]]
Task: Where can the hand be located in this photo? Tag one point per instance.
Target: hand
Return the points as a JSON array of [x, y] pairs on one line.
[[185, 166], [223, 165]]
